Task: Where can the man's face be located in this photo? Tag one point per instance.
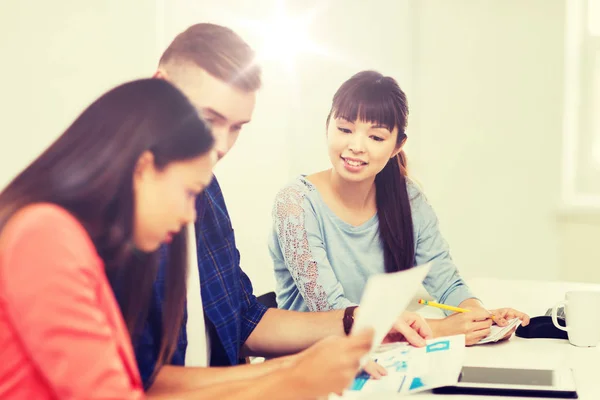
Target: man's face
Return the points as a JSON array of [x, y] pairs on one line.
[[224, 106]]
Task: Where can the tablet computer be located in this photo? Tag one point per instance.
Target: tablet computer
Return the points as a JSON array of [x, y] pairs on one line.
[[558, 383]]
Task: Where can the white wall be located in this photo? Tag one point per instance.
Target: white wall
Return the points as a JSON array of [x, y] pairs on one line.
[[488, 122], [56, 58], [484, 80]]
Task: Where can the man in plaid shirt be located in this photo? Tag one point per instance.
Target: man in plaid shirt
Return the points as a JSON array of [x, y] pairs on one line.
[[214, 67]]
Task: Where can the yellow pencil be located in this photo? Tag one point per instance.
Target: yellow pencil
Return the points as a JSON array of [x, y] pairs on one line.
[[445, 306]]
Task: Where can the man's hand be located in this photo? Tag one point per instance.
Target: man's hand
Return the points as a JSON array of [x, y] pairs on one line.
[[375, 370], [410, 327], [330, 365]]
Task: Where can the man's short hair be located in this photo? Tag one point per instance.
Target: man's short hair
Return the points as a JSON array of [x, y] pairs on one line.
[[219, 51]]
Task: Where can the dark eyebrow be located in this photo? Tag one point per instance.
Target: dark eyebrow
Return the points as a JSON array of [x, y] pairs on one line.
[[381, 127]]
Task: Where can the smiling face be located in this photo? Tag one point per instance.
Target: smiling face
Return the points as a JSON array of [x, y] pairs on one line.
[[359, 150], [365, 127]]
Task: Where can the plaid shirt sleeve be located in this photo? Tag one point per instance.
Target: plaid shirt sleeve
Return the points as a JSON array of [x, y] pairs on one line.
[[216, 219]]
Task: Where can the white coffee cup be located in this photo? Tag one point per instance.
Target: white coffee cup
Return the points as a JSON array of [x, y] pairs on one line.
[[582, 317]]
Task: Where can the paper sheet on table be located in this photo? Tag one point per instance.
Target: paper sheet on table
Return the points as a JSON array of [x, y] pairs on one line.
[[498, 332], [411, 369], [385, 297]]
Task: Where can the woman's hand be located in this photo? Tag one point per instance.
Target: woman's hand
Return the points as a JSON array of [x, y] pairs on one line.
[[475, 325], [503, 315]]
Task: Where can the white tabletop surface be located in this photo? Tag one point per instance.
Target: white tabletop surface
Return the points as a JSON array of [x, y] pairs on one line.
[[534, 298]]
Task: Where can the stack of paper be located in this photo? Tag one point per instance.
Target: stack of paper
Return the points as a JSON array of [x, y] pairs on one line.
[[498, 333]]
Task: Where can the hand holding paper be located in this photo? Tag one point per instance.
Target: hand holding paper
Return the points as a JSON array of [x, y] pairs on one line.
[[479, 325], [498, 333], [384, 300], [410, 327], [504, 315], [412, 370]]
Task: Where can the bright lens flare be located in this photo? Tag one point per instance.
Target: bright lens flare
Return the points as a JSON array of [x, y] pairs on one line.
[[283, 37]]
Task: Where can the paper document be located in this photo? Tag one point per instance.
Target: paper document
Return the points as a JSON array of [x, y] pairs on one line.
[[498, 332], [385, 298], [411, 369]]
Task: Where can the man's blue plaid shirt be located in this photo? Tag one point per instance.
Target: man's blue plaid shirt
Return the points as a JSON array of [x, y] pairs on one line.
[[229, 305]]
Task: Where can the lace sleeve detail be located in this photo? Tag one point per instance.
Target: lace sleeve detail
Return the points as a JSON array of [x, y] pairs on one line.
[[289, 216]]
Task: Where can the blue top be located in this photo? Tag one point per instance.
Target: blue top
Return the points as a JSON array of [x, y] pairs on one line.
[[231, 310], [322, 263]]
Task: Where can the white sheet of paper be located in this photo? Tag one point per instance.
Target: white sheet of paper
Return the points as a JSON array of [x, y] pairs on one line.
[[498, 333], [415, 369], [385, 298]]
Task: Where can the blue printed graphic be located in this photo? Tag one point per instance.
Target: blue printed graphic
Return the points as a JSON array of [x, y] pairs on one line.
[[397, 366], [438, 346], [360, 381], [416, 383]]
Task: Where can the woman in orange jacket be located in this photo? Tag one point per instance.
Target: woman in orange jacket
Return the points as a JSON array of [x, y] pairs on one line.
[[97, 204]]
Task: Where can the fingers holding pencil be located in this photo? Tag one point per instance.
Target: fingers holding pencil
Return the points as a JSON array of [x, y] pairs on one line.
[[488, 314]]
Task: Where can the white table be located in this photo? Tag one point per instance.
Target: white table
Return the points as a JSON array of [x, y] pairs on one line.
[[534, 298]]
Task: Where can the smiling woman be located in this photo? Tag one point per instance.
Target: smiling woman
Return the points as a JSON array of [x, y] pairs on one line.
[[364, 216], [370, 114]]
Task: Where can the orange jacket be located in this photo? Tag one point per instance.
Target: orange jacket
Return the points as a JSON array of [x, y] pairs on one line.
[[62, 335]]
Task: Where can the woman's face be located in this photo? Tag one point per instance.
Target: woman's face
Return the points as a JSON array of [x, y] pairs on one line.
[[359, 150], [165, 198]]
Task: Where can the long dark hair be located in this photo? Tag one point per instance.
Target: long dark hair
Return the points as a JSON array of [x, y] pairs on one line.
[[89, 172], [372, 97]]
